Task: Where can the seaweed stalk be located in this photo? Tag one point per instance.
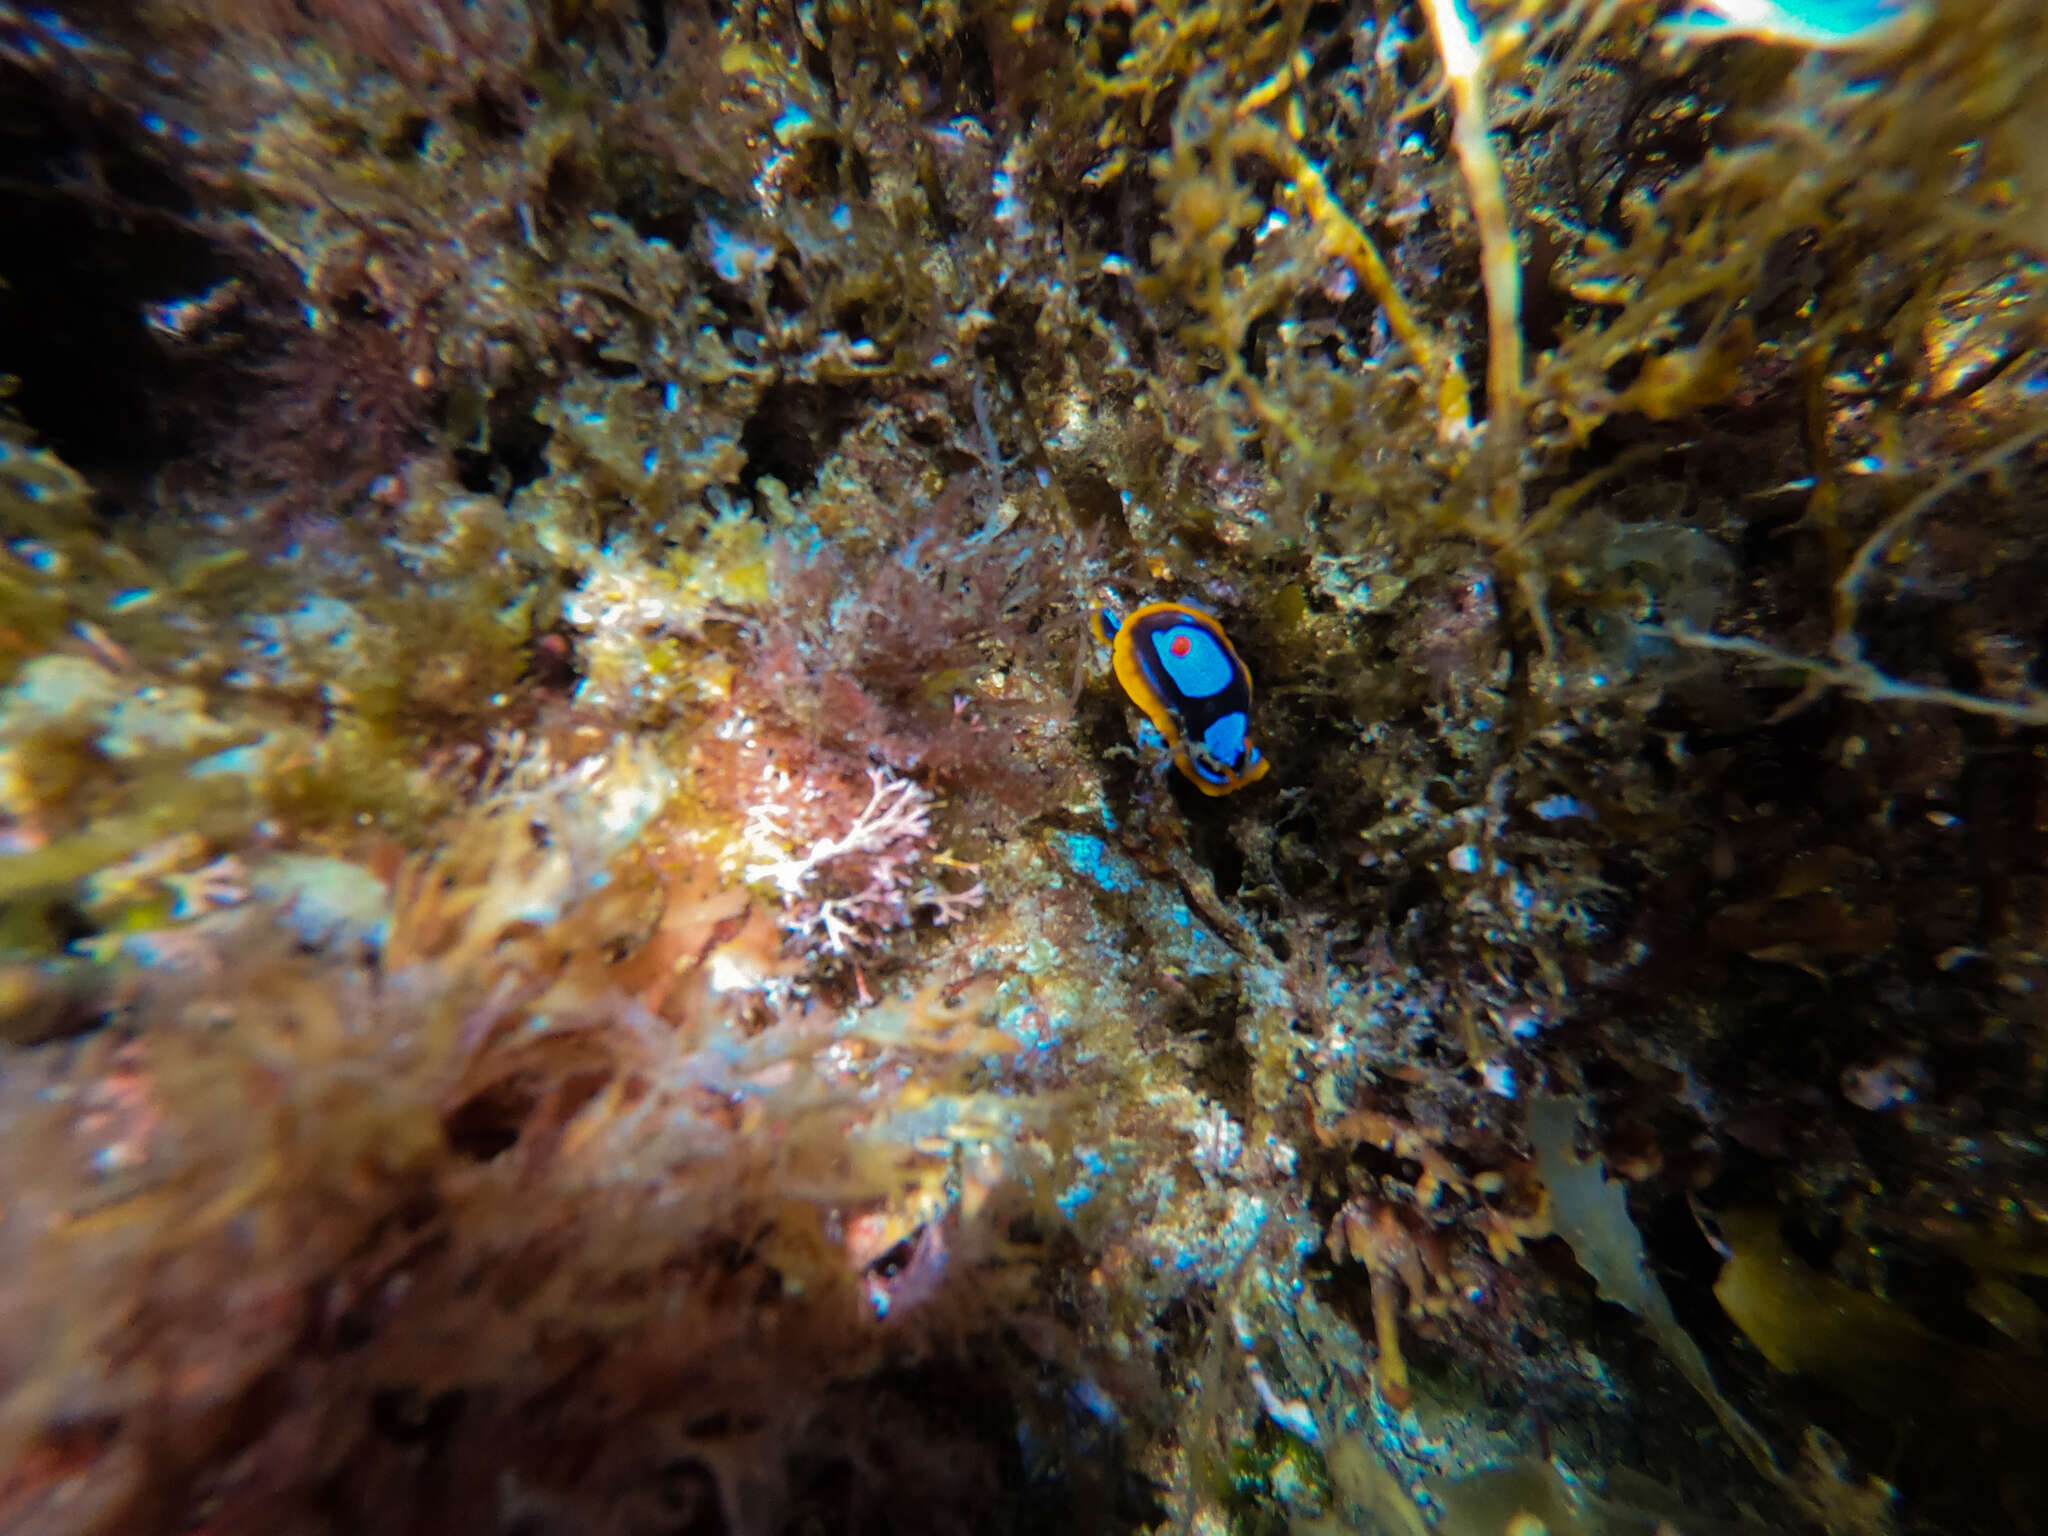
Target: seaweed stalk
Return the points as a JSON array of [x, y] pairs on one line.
[[1464, 65]]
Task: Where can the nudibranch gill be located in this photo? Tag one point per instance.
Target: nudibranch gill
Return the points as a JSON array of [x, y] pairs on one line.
[[1181, 669]]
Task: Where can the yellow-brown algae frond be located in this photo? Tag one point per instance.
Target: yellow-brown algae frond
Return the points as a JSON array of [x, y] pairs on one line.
[[1392, 1134], [945, 1017], [1519, 1211], [540, 1121], [1464, 66], [1342, 237], [1373, 1234]]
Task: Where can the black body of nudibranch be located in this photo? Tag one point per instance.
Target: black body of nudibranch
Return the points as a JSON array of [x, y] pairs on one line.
[[1181, 669]]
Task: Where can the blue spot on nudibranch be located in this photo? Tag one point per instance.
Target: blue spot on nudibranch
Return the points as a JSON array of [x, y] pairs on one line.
[[1194, 660], [1225, 737]]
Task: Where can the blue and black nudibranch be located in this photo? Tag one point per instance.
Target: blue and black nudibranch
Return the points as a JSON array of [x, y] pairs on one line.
[[1181, 669]]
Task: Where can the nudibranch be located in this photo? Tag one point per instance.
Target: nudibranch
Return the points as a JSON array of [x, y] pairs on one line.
[[1181, 669]]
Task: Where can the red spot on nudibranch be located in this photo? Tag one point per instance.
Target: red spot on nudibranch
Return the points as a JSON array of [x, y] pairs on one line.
[[1180, 645]]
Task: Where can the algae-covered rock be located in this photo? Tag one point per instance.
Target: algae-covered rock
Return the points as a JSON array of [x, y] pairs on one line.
[[588, 940]]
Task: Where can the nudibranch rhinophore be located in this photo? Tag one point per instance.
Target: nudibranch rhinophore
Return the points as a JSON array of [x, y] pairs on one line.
[[1181, 669]]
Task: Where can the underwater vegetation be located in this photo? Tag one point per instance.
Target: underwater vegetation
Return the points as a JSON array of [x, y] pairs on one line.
[[1231, 766]]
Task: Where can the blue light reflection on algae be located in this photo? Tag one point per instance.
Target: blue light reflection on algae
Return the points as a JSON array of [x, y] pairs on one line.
[[1819, 24], [1094, 860]]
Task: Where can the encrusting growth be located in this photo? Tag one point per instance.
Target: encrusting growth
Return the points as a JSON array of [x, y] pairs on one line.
[[585, 943]]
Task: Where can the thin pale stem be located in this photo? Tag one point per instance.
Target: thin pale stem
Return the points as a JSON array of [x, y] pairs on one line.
[[1858, 677], [1849, 585], [1464, 64]]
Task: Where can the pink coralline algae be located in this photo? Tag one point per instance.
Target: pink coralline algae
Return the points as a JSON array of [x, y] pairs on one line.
[[849, 889]]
